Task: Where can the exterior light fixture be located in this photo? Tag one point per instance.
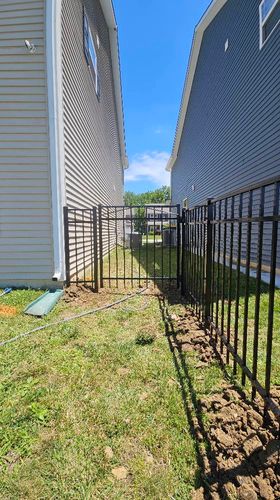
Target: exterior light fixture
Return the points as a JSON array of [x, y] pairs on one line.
[[30, 46]]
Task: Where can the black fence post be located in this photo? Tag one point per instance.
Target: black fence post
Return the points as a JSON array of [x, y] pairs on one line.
[[66, 244], [208, 267], [100, 244], [183, 254], [95, 249], [273, 264], [178, 246]]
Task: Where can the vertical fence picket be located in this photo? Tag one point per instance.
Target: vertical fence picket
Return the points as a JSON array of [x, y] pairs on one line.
[[274, 240], [230, 276], [247, 286], [178, 222], [66, 244], [100, 227], [258, 292], [95, 249], [183, 255], [237, 296], [209, 251]]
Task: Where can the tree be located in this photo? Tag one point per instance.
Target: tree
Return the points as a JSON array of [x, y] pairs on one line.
[[160, 195]]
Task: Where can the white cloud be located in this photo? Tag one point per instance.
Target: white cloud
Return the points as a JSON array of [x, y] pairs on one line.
[[158, 131], [149, 166]]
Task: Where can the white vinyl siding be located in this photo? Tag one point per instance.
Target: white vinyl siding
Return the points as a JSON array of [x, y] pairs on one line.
[[26, 249]]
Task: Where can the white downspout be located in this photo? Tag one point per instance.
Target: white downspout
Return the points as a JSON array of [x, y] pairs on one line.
[[56, 134]]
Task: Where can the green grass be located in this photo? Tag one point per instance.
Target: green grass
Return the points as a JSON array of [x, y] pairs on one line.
[[151, 238], [105, 392], [145, 262], [230, 293], [79, 400]]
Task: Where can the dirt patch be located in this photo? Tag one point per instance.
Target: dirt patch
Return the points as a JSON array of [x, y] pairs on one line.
[[8, 311], [120, 473], [78, 294], [109, 454], [242, 459], [81, 295]]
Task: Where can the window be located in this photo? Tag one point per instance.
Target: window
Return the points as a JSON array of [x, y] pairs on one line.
[[90, 54], [269, 18]]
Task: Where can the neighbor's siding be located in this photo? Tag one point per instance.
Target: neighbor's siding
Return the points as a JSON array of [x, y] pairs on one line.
[[231, 135], [92, 151], [25, 207], [232, 128]]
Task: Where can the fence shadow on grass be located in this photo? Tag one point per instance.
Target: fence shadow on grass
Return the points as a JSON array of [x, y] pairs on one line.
[[150, 263], [158, 264], [205, 453]]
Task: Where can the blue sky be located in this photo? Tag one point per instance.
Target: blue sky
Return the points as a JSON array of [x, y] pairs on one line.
[[155, 40]]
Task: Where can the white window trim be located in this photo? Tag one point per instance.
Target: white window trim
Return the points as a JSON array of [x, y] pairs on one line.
[[264, 21], [95, 77]]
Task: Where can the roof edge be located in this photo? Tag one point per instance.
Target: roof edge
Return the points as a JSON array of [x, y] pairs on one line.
[[109, 14], [213, 9]]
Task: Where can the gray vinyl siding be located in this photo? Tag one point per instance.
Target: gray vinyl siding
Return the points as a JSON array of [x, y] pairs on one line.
[[231, 135], [26, 251], [232, 128], [92, 150]]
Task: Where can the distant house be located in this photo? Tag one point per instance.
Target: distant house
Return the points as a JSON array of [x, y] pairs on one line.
[[61, 128], [157, 218], [228, 132]]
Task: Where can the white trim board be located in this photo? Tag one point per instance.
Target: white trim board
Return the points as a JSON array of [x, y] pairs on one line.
[[56, 133], [207, 18]]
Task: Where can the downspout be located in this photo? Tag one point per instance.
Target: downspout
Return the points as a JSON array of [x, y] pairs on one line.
[[56, 134]]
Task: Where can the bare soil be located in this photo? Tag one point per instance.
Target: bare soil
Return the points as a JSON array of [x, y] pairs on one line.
[[8, 311], [243, 457]]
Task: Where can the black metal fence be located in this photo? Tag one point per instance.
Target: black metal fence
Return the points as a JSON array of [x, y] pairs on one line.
[[116, 246], [81, 246], [224, 254], [230, 260], [139, 244]]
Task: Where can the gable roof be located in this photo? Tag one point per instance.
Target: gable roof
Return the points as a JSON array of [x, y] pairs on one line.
[[213, 9], [109, 14]]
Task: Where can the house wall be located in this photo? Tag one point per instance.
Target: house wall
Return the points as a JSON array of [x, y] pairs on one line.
[[232, 127], [93, 166], [26, 251]]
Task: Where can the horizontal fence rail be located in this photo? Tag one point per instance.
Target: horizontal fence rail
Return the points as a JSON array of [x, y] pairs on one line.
[[230, 266]]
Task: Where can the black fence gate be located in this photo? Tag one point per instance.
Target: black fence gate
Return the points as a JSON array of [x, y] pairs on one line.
[[139, 245], [128, 246]]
